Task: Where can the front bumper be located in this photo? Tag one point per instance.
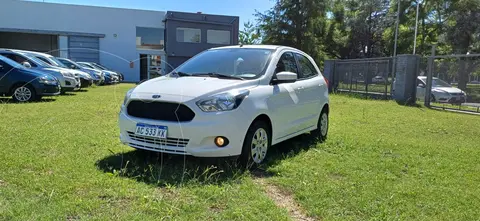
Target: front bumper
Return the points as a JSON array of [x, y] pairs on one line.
[[70, 84], [194, 138], [48, 90], [85, 82]]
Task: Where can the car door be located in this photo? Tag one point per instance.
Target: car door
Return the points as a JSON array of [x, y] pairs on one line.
[[310, 92], [284, 101], [4, 84]]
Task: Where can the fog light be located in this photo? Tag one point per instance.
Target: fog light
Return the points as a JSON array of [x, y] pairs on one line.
[[221, 141]]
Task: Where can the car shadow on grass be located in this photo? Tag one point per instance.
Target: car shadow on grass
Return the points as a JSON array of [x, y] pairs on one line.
[[11, 101], [162, 169]]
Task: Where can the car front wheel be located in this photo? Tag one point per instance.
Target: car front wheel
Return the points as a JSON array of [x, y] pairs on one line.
[[322, 127], [256, 144], [23, 93]]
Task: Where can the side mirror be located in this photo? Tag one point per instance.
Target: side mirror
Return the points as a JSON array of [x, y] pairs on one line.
[[27, 65], [285, 77], [72, 66]]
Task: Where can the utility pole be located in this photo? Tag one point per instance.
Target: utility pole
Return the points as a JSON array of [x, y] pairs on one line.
[[416, 28], [395, 44]]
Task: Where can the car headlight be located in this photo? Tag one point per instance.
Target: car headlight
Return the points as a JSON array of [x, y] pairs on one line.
[[127, 96], [47, 80], [66, 74], [223, 102]]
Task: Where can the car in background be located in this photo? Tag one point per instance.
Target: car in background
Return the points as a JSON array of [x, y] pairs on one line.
[[67, 80], [442, 92], [97, 75], [24, 84], [110, 77], [379, 79], [228, 101], [119, 75], [85, 79]]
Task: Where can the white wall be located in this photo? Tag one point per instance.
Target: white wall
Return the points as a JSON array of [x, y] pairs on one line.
[[116, 52]]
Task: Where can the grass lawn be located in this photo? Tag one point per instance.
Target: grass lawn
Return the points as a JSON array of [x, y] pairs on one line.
[[61, 159]]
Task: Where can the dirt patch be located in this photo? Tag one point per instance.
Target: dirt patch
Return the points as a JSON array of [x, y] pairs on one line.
[[284, 200]]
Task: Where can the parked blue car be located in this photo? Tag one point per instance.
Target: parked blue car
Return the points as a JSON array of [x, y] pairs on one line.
[[24, 84]]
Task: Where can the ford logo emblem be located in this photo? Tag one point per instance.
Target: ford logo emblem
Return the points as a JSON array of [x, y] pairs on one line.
[[156, 96]]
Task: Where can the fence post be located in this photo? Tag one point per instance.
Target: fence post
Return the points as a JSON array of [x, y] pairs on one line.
[[428, 88], [351, 77], [366, 77]]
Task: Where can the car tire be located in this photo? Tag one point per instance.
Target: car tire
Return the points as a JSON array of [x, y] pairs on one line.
[[256, 144], [23, 93], [321, 132]]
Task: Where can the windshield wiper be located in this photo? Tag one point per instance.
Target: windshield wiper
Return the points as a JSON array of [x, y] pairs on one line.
[[217, 75], [180, 74]]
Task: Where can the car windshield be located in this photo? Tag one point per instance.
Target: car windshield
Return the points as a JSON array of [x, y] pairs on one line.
[[36, 60], [246, 63], [439, 83], [87, 66], [56, 62], [11, 62], [98, 66], [69, 63]]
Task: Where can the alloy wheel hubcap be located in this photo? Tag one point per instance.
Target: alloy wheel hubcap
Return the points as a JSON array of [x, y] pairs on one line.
[[259, 145], [23, 94], [324, 124]]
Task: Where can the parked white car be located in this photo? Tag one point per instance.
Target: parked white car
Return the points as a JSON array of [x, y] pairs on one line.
[[442, 92], [228, 101]]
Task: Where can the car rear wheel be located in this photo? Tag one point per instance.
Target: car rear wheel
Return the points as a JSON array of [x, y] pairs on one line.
[[256, 144], [23, 93]]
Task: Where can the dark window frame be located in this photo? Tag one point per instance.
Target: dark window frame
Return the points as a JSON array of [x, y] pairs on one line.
[[300, 67]]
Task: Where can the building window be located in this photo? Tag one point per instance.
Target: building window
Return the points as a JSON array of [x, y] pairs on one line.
[[218, 37], [190, 35], [150, 38]]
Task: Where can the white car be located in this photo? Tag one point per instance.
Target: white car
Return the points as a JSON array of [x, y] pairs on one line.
[[228, 101], [442, 92]]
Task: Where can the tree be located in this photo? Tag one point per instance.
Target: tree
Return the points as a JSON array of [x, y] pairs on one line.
[[297, 23], [250, 34]]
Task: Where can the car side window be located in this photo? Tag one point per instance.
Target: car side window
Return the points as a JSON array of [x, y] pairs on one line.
[[286, 63], [419, 82], [307, 70]]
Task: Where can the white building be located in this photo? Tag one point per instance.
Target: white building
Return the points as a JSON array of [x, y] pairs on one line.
[[116, 38]]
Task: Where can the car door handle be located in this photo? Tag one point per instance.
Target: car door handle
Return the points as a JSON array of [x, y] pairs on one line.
[[299, 88]]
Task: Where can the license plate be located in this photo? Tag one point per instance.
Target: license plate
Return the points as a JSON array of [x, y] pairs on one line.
[[151, 130]]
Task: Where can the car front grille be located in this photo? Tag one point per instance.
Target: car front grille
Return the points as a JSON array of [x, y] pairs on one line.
[[164, 111], [172, 142]]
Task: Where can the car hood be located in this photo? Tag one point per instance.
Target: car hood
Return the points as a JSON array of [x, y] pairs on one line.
[[183, 89], [36, 73], [447, 90]]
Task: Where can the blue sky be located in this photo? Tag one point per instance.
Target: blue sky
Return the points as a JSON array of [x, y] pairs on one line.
[[242, 8]]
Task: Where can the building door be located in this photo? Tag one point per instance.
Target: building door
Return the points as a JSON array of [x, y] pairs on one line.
[[143, 67], [150, 66]]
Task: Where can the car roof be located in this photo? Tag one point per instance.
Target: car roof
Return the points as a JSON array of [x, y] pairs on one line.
[[271, 47], [36, 53]]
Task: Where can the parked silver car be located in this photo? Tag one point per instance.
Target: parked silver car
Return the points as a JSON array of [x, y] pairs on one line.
[[85, 78], [98, 76]]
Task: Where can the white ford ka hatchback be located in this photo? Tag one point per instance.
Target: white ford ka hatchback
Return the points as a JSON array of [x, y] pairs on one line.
[[228, 101]]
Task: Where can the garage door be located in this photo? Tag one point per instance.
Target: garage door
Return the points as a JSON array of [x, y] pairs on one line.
[[31, 42], [83, 48]]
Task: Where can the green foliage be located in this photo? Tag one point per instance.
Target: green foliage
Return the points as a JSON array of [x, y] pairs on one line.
[[250, 34], [357, 29]]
